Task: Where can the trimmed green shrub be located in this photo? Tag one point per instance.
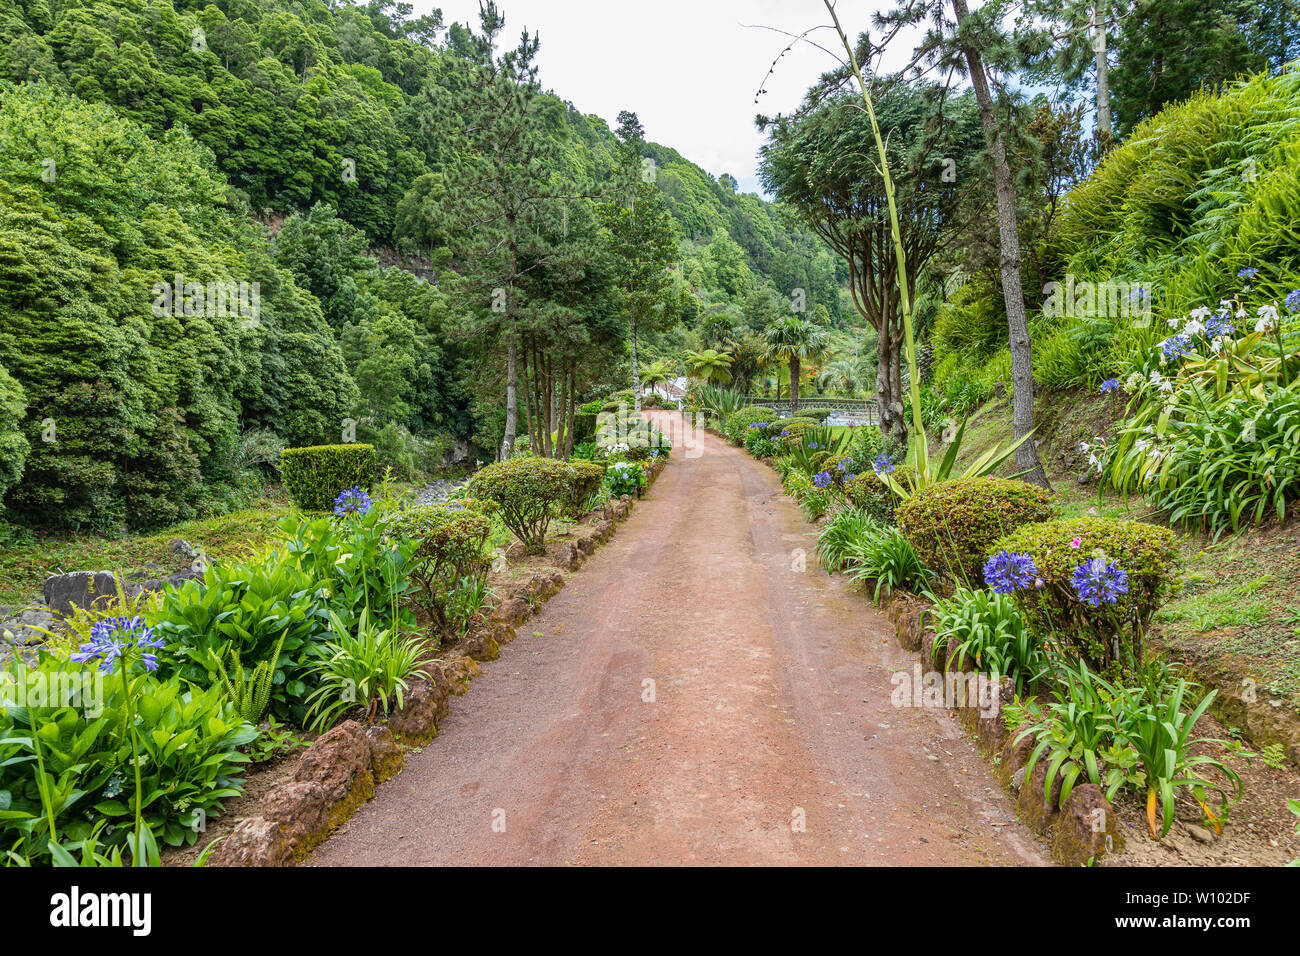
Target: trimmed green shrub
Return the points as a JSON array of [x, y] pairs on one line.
[[953, 524], [868, 493], [316, 475], [1146, 554], [818, 415], [451, 541], [529, 491], [591, 408], [588, 477], [736, 427], [844, 467], [787, 431]]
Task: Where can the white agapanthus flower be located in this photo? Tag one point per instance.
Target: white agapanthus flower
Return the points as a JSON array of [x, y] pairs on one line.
[[1194, 327], [1202, 313], [1267, 318]]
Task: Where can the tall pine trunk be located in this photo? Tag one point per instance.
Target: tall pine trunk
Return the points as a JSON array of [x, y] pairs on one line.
[[1100, 15], [512, 390], [1022, 369], [636, 371]]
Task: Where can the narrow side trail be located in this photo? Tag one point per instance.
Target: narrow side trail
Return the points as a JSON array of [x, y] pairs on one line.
[[770, 739]]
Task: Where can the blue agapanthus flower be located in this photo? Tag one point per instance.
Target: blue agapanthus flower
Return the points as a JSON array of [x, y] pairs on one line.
[[822, 479], [813, 446], [353, 501], [883, 465], [1248, 273], [1110, 385], [844, 464], [1098, 583], [1218, 325], [785, 433], [1175, 347], [1009, 571], [122, 639], [1293, 301], [758, 425]]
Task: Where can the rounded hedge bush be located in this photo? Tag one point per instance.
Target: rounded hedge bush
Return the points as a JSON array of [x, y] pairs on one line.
[[814, 414], [844, 467], [736, 427], [952, 525], [872, 495], [451, 546], [788, 430], [587, 479], [529, 492], [1145, 553], [314, 476]]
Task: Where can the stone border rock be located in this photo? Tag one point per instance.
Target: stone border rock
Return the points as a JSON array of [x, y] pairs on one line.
[[341, 769], [1086, 829]]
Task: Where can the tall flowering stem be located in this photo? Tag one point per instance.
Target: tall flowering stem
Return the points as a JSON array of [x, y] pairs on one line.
[[119, 644], [905, 300]]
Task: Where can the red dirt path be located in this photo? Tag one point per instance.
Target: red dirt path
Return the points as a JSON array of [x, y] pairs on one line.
[[772, 695]]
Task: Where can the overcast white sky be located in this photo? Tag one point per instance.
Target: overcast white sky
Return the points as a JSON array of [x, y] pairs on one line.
[[688, 68]]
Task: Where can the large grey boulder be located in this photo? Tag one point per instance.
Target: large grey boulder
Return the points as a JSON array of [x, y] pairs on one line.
[[83, 589]]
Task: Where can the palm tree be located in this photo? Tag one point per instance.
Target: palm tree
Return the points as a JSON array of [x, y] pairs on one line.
[[849, 374], [791, 340], [655, 374], [709, 365]]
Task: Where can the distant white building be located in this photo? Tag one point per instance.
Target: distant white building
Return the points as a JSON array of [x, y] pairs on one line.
[[674, 390]]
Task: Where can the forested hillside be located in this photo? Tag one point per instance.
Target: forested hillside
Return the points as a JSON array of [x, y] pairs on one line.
[[158, 150]]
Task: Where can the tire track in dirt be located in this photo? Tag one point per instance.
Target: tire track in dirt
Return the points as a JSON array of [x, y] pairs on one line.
[[772, 704]]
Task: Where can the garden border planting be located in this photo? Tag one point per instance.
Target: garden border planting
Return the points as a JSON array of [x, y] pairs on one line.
[[341, 770]]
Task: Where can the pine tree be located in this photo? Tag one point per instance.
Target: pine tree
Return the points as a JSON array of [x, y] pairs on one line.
[[640, 235]]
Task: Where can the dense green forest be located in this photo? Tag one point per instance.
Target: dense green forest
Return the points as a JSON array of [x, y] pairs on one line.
[[320, 160]]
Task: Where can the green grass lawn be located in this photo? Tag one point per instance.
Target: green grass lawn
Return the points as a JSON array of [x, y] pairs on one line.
[[28, 559]]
